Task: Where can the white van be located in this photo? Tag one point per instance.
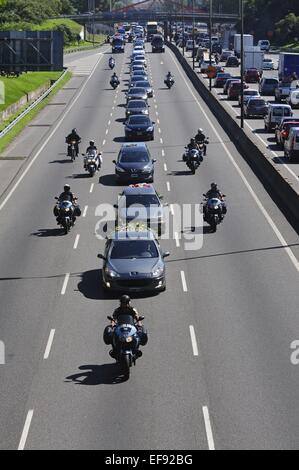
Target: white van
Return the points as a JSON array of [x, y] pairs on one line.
[[291, 145], [264, 45], [276, 112]]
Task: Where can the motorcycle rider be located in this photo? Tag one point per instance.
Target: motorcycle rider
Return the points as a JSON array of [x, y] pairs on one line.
[[192, 145], [73, 136], [111, 62], [214, 192], [169, 77], [126, 308], [92, 147], [200, 139], [67, 195], [114, 78]]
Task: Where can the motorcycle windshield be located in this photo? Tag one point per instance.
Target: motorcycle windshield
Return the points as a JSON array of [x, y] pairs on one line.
[[214, 203], [65, 205]]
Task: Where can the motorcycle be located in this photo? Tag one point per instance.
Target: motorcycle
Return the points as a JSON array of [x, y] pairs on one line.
[[202, 144], [193, 159], [65, 212], [73, 149], [114, 82], [111, 63], [125, 336], [92, 162], [169, 82], [214, 212]]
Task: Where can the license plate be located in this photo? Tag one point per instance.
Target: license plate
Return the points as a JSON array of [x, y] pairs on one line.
[[134, 176], [139, 133]]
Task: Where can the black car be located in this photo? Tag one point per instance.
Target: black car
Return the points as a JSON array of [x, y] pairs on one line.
[[134, 164], [255, 107], [139, 127], [232, 61], [268, 86], [137, 107], [133, 262]]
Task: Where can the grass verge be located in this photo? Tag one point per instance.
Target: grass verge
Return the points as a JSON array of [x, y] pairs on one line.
[[17, 129], [16, 88]]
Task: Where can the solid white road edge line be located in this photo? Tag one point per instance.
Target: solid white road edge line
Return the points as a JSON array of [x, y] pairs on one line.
[[26, 430], [49, 344], [65, 283], [51, 135], [241, 174], [208, 426], [193, 340]]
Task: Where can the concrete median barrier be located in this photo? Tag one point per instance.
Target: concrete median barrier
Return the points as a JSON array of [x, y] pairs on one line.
[[281, 191]]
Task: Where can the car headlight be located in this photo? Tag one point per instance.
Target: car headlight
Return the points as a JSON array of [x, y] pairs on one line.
[[149, 129], [147, 169], [121, 170], [144, 111], [159, 269], [111, 273]]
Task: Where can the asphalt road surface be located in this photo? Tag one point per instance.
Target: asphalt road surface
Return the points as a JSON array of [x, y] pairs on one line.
[[216, 371]]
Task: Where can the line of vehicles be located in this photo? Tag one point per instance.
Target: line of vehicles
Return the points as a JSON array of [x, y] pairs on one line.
[[133, 258]]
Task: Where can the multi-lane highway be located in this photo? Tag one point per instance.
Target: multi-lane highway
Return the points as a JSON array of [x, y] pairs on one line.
[[216, 371]]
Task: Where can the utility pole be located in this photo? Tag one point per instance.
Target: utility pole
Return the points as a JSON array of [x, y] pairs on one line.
[[193, 36], [183, 27], [242, 63], [210, 38]]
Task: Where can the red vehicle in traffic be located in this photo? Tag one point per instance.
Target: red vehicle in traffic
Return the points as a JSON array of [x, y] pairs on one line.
[[234, 90], [252, 76]]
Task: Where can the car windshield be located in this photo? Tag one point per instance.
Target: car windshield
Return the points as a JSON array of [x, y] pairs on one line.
[[139, 120], [137, 104], [277, 112], [134, 155], [134, 249], [270, 81], [144, 200]]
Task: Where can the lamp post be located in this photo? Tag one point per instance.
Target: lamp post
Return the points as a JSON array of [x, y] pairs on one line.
[[193, 36], [183, 32], [242, 62], [210, 38]]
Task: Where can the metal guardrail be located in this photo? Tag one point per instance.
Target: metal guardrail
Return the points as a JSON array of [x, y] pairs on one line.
[[32, 106]]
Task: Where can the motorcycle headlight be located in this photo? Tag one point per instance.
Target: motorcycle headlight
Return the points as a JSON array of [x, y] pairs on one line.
[[129, 339], [158, 270], [66, 210]]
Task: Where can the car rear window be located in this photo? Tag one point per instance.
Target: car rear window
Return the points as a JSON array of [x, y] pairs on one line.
[[257, 103], [145, 200], [136, 104], [270, 81]]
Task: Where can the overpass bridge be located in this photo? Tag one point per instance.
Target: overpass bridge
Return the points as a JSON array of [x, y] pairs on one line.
[[154, 10]]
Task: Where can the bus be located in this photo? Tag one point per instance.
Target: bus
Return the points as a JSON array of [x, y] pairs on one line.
[[151, 28]]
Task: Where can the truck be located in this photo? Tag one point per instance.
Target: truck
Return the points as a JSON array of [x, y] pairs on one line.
[[247, 43], [288, 66], [151, 29], [253, 58]]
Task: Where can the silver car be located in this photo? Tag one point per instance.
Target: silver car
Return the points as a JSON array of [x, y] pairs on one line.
[[145, 84], [137, 94]]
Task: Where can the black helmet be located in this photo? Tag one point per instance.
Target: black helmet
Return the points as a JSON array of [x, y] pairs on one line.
[[192, 140], [67, 187], [74, 131], [125, 299], [91, 142], [214, 186]]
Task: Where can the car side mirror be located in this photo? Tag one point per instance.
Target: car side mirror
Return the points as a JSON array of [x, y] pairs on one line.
[[83, 154], [154, 160], [110, 318], [141, 318], [166, 254], [115, 206], [100, 256], [114, 161]]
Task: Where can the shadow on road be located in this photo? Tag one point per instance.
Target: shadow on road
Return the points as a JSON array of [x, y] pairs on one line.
[[120, 140], [62, 161], [92, 375], [181, 173], [48, 232], [108, 180]]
